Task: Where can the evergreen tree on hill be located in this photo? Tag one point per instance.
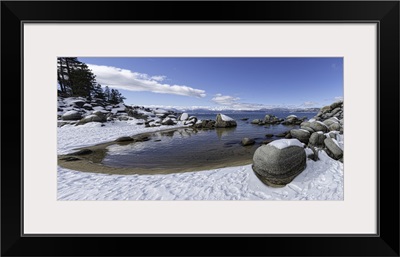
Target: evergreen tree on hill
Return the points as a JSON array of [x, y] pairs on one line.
[[76, 79]]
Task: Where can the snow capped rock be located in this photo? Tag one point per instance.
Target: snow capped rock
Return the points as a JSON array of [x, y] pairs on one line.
[[225, 117], [184, 116], [71, 115], [284, 143]]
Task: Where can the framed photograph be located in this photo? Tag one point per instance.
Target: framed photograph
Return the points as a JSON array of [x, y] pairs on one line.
[[152, 122]]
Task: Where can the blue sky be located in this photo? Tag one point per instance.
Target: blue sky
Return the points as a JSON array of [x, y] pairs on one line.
[[231, 83]]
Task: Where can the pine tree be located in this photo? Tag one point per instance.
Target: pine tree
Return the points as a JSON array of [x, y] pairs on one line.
[[98, 93], [83, 81], [107, 94], [76, 79]]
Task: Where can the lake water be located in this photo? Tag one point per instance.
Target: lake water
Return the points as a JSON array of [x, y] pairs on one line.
[[197, 148]]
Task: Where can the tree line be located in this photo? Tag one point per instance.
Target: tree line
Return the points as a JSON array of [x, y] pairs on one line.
[[76, 79]]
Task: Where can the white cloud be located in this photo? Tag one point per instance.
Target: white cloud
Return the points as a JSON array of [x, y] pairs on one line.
[[225, 99], [158, 78], [309, 104], [232, 103], [133, 81], [338, 98]]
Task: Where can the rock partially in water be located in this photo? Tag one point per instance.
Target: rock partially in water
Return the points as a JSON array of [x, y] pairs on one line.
[[82, 152], [292, 120], [70, 159], [275, 165], [271, 119], [248, 141], [269, 135], [124, 139], [223, 121]]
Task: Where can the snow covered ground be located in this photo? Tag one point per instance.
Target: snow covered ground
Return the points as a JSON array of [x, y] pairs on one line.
[[321, 180]]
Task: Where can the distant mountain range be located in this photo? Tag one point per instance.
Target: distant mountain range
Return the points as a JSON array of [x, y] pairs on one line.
[[204, 109]]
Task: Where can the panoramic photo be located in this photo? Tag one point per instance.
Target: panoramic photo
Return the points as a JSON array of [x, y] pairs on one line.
[[200, 128]]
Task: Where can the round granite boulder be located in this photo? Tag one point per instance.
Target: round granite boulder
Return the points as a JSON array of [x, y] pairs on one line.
[[71, 115], [301, 134], [317, 139], [279, 162], [318, 126]]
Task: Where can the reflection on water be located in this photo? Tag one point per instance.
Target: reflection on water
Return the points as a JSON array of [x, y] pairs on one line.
[[191, 147], [224, 132]]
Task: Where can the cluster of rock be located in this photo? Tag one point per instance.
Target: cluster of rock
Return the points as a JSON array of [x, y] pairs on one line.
[[279, 162], [78, 111], [321, 132], [270, 119], [221, 121]]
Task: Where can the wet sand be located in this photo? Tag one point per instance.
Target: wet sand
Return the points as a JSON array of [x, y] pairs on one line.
[[92, 161]]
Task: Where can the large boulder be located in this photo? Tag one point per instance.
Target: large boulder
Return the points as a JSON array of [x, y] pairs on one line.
[[334, 127], [279, 162], [336, 105], [333, 148], [292, 120], [78, 103], [101, 114], [184, 116], [318, 126], [89, 118], [330, 121], [223, 121], [317, 139], [87, 107], [301, 134], [168, 121], [71, 115], [137, 114]]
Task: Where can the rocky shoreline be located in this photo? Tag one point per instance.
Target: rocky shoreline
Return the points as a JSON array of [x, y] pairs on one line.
[[274, 166], [279, 162]]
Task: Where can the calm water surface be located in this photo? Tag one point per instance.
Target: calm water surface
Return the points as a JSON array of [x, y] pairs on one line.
[[189, 147]]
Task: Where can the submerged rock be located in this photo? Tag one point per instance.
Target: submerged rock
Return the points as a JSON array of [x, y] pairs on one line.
[[248, 141]]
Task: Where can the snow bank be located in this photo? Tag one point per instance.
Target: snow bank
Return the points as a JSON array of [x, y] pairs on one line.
[[321, 180], [283, 143], [71, 137]]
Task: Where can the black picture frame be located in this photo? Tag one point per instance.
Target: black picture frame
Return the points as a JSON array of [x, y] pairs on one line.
[[383, 13]]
